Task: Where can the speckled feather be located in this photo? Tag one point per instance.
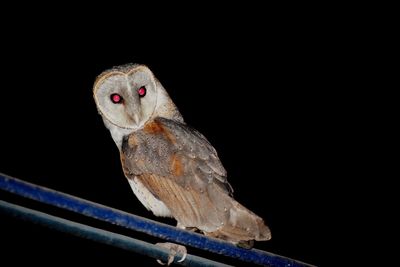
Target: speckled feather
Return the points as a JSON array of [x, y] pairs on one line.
[[180, 168]]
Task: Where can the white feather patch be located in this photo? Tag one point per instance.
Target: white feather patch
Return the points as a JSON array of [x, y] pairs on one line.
[[148, 200]]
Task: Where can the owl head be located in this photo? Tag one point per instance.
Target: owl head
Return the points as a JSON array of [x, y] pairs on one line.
[[128, 96]]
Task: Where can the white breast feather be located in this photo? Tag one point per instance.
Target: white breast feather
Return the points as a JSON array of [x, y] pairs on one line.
[[148, 200]]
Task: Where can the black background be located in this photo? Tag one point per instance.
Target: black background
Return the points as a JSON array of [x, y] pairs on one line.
[[266, 97]]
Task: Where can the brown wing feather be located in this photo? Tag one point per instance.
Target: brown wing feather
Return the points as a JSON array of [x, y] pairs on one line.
[[181, 168], [184, 204]]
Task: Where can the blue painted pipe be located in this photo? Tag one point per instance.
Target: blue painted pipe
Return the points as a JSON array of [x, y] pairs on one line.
[[137, 223]]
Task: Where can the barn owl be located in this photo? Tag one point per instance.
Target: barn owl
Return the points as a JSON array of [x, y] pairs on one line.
[[172, 169]]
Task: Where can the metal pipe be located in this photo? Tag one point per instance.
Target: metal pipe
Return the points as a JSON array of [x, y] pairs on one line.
[[130, 221], [101, 236]]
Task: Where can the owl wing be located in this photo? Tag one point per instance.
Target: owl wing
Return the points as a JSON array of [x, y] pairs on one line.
[[181, 168]]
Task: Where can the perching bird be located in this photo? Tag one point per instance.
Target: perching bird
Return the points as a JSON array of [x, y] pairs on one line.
[[172, 168]]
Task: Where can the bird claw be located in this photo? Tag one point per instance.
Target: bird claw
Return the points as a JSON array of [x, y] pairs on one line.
[[174, 249], [249, 244]]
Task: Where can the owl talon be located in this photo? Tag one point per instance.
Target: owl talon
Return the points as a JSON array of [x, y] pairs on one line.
[[246, 244], [170, 260], [184, 256], [174, 249]]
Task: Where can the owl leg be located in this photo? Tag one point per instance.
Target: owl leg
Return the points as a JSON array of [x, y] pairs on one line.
[[174, 249], [181, 226], [245, 244]]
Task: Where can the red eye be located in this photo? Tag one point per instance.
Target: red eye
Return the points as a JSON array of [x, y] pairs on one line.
[[142, 91], [116, 98]]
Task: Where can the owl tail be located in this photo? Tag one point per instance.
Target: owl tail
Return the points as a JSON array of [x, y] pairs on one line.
[[242, 225]]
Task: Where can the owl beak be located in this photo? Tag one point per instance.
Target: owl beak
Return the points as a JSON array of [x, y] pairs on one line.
[[132, 116], [133, 111], [136, 119]]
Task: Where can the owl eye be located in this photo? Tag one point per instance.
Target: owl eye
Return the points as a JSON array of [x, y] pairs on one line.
[[116, 98], [142, 91]]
